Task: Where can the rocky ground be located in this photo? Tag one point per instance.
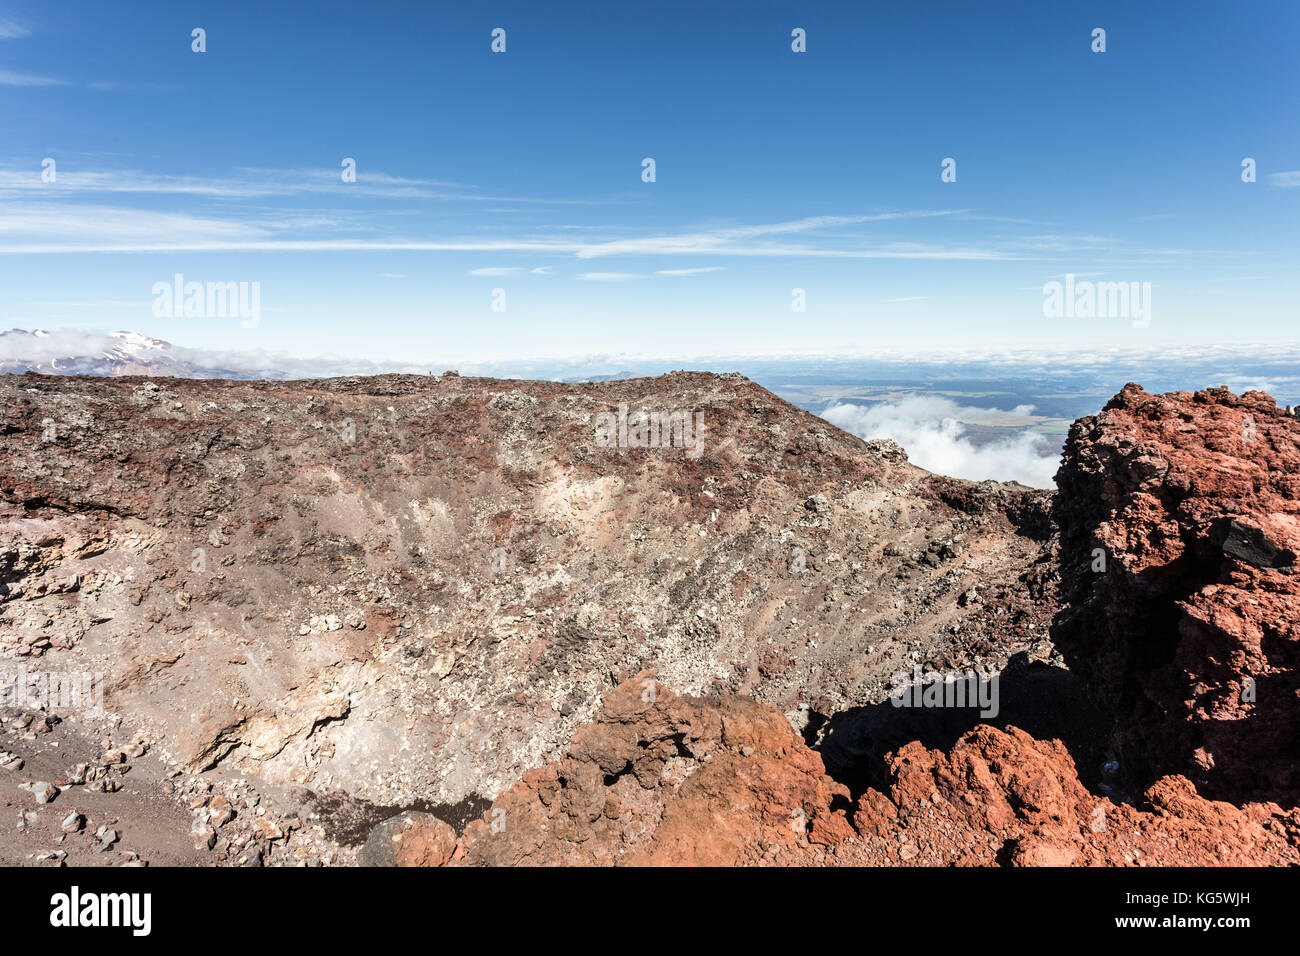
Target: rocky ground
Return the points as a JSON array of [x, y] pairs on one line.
[[441, 603]]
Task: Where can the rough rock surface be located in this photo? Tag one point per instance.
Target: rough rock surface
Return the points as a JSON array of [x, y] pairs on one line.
[[666, 780], [723, 781], [318, 604], [408, 588], [410, 839], [1002, 797], [1180, 523]]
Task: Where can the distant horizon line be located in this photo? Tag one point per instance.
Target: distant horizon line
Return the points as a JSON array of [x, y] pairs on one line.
[[915, 354]]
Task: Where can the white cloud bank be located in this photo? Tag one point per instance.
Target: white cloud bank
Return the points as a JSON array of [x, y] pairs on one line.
[[930, 428]]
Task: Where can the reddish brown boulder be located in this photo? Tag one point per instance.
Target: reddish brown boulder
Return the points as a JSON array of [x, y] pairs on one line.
[[410, 839], [1180, 524], [660, 779]]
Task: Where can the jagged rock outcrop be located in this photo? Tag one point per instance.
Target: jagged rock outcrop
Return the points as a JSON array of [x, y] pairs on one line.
[[1179, 519]]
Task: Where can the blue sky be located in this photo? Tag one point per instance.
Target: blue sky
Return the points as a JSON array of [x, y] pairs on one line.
[[775, 170]]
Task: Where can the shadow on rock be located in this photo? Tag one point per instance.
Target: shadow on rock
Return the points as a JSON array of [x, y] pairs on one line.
[[1043, 700]]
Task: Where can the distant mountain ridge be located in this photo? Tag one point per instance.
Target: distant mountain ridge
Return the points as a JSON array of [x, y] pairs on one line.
[[114, 354], [103, 354]]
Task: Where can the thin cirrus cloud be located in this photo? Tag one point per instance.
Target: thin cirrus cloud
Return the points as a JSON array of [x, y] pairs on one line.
[[740, 241], [115, 86], [35, 227], [47, 218], [249, 183], [729, 240], [1289, 179], [510, 271], [92, 227], [10, 78], [623, 276], [284, 245], [12, 29], [49, 225], [98, 227], [102, 229], [256, 182]]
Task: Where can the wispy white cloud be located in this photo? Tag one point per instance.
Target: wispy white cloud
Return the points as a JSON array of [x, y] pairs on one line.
[[511, 271], [10, 78], [727, 241], [12, 29], [972, 216], [1286, 180], [248, 183], [51, 227], [1098, 246], [91, 304], [895, 250], [108, 227], [1056, 242], [254, 182], [47, 218], [116, 86], [909, 298], [288, 245], [608, 276]]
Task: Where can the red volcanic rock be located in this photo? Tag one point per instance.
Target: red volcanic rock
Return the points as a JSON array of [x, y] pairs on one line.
[[1002, 797], [660, 779], [1180, 522], [725, 781]]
